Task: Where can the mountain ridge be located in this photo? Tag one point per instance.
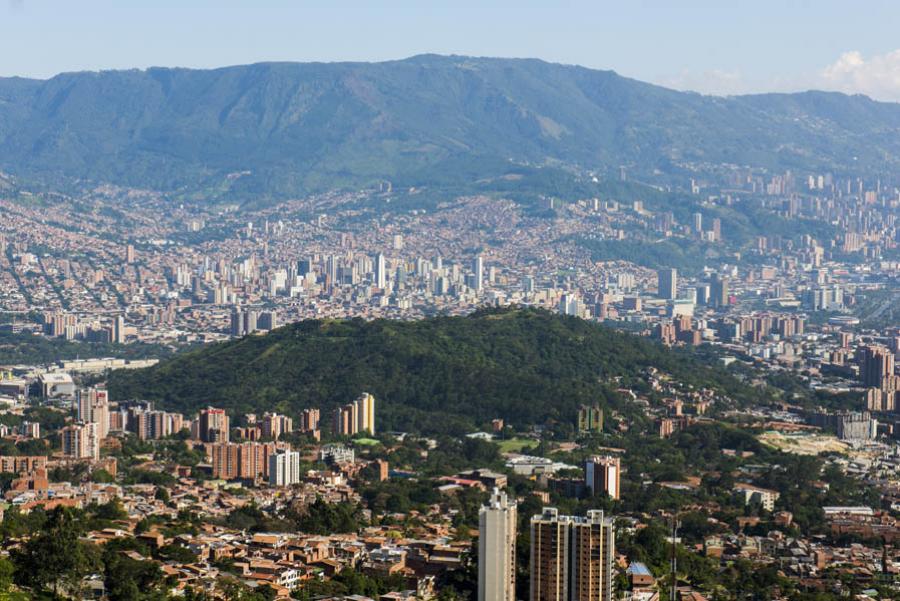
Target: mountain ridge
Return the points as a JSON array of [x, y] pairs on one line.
[[293, 128]]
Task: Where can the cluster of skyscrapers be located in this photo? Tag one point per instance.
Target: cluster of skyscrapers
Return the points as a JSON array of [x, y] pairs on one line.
[[248, 321], [68, 325], [81, 440], [876, 371], [356, 417], [258, 454], [243, 460]]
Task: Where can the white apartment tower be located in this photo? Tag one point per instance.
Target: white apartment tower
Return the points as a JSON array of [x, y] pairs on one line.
[[365, 413], [284, 468], [478, 269], [497, 549]]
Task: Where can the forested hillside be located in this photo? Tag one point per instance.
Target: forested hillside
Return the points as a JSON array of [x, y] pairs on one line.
[[279, 129], [445, 373]]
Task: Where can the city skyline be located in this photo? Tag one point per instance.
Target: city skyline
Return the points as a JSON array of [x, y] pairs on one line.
[[456, 327]]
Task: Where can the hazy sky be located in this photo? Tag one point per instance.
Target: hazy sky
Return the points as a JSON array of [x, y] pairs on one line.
[[715, 46]]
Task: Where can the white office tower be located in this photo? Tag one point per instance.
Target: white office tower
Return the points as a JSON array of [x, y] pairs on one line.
[[478, 269], [569, 305], [284, 468], [380, 272], [497, 549]]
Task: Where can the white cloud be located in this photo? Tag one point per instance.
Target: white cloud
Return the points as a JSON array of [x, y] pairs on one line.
[[878, 76]]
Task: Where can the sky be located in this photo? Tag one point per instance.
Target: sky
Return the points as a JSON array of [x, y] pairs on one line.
[[710, 46]]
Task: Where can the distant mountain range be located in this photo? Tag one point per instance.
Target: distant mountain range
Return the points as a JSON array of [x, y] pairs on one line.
[[281, 129]]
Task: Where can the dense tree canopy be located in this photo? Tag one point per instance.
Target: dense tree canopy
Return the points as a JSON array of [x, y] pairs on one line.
[[445, 374]]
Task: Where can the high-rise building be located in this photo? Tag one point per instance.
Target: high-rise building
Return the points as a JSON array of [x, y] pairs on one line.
[[212, 425], [153, 425], [245, 460], [478, 271], [602, 474], [237, 323], [366, 413], [569, 304], [356, 417], [497, 549], [380, 272], [84, 398], [284, 468], [549, 557], [593, 552], [80, 441], [268, 320], [246, 322], [718, 291], [856, 425], [274, 425], [571, 557], [876, 365], [667, 283], [702, 294], [93, 407], [309, 420], [118, 331], [345, 420]]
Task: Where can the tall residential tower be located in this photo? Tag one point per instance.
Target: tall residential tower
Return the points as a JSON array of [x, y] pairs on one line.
[[497, 549], [571, 557]]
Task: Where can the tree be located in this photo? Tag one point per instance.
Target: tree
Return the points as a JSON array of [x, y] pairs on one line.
[[177, 553], [322, 518], [7, 569], [111, 511], [102, 476], [127, 579], [55, 559], [234, 590], [161, 494]]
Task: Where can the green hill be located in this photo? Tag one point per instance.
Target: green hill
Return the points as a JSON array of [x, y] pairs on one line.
[[277, 129], [440, 374]]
